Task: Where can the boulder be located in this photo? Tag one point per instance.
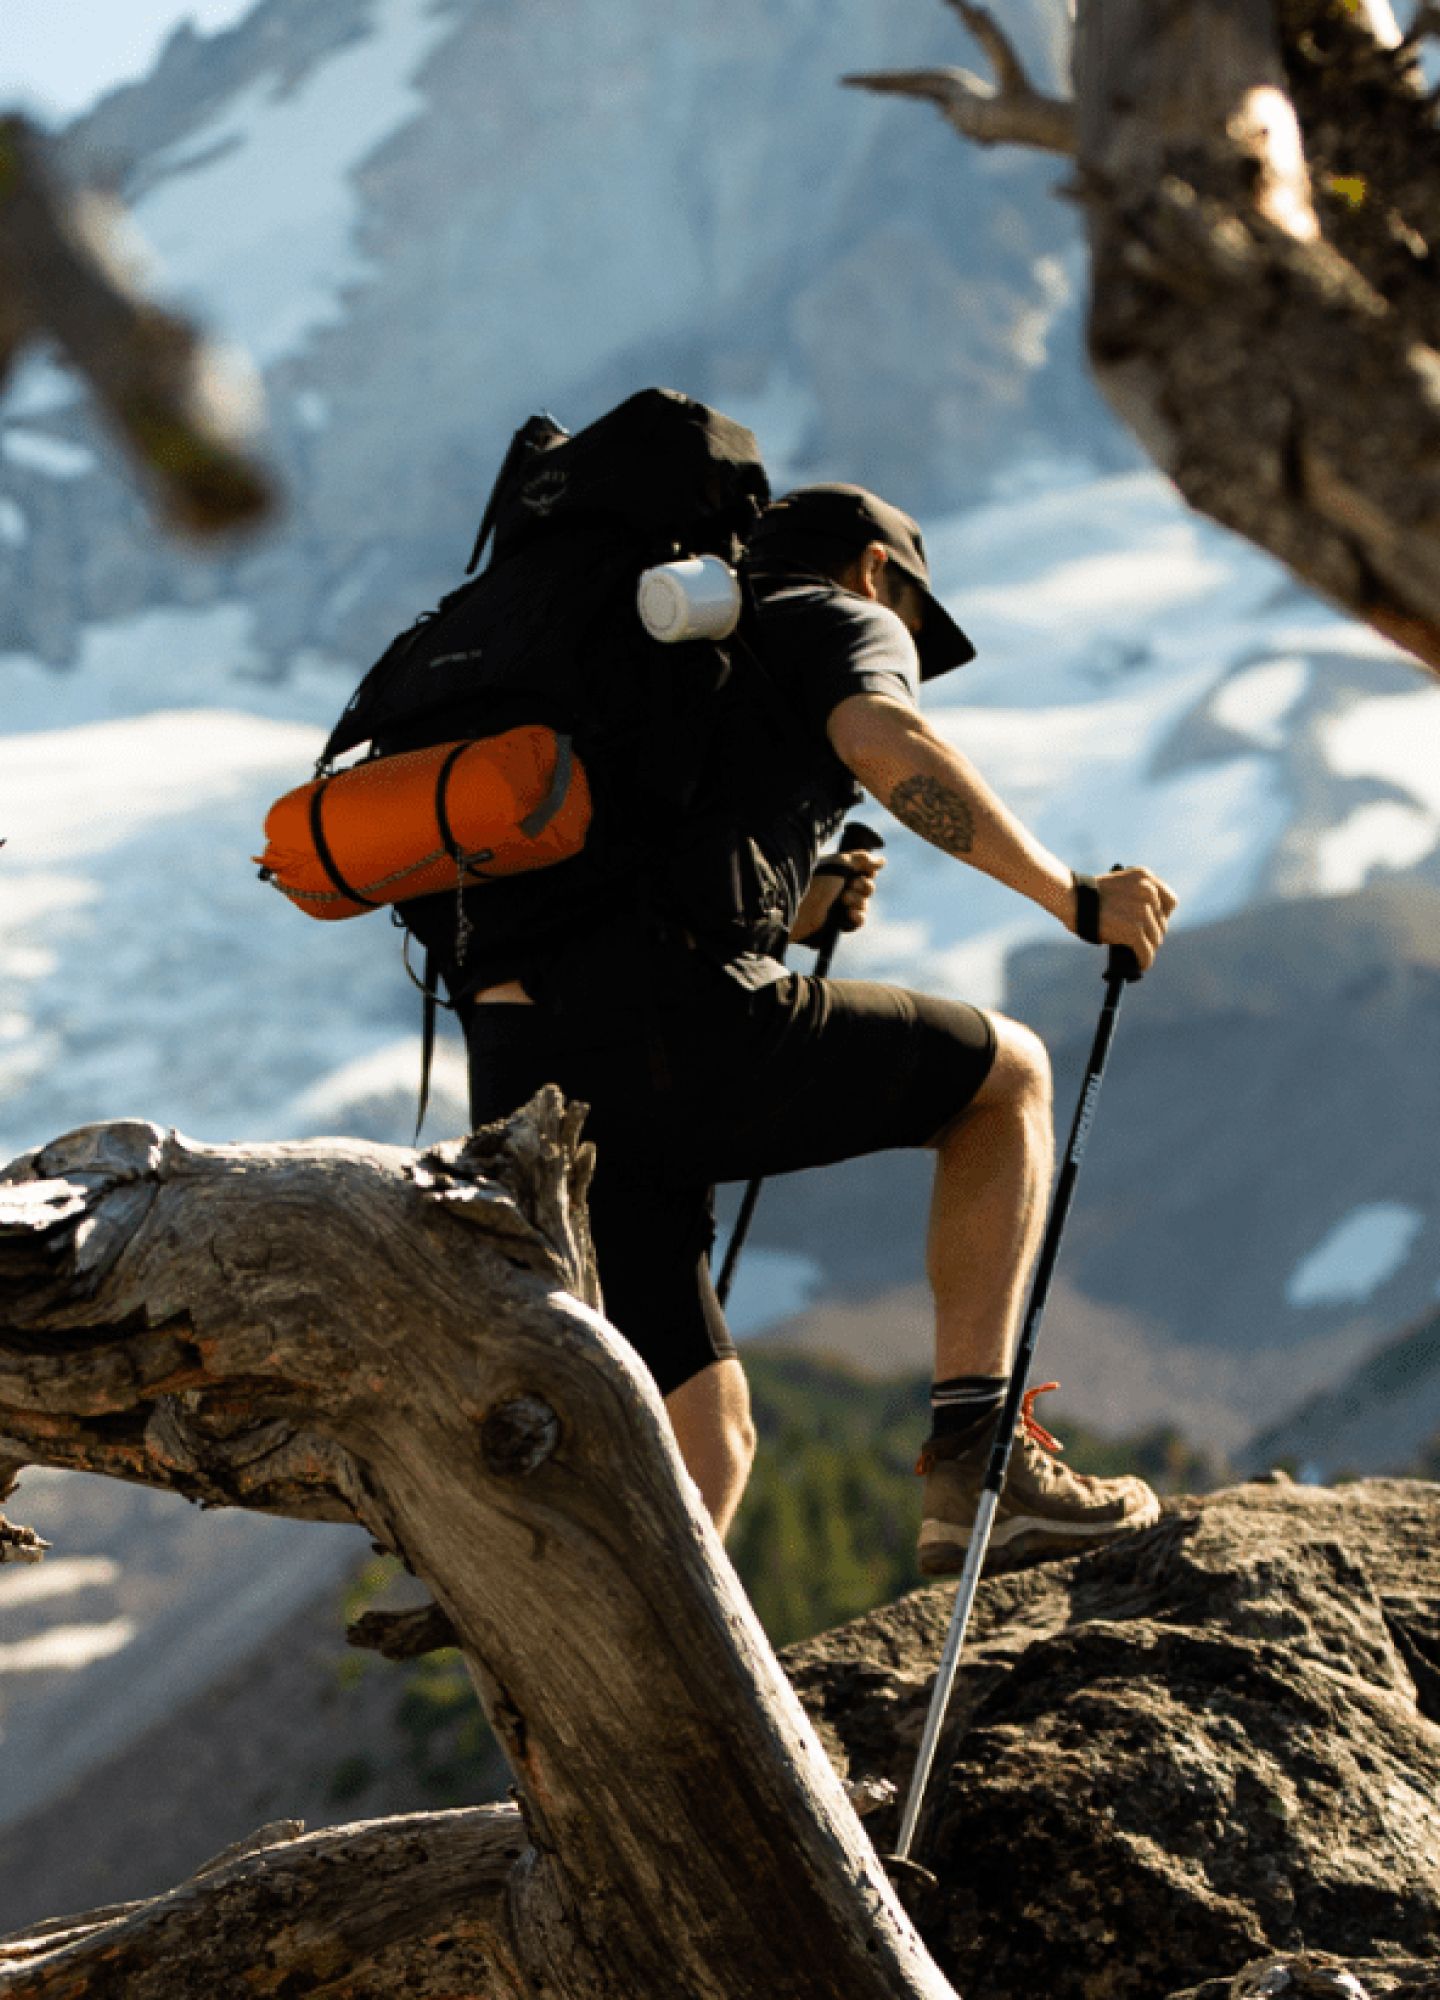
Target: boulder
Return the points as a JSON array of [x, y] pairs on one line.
[[1209, 1753]]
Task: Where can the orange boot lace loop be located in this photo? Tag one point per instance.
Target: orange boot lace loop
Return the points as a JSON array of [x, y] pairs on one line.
[[1033, 1427]]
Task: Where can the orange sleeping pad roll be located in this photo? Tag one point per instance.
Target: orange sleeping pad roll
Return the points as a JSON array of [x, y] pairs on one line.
[[414, 824]]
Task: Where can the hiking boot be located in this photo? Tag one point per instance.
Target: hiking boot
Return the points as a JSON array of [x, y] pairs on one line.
[[1045, 1508]]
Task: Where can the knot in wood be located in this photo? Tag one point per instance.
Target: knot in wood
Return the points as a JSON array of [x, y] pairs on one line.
[[518, 1436]]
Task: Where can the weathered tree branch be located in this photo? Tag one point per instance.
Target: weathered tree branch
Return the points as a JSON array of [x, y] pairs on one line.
[[350, 1331], [1009, 111], [402, 1635], [418, 1904], [174, 402], [1261, 182]]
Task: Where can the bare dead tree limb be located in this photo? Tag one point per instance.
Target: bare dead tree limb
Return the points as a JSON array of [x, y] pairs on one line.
[[1009, 111], [176, 404], [1261, 186], [418, 1904], [339, 1329], [402, 1635]]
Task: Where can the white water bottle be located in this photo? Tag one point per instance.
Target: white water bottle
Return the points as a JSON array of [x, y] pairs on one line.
[[698, 598]]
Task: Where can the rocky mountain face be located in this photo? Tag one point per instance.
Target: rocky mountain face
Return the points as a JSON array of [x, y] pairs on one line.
[[424, 219], [1211, 1747]]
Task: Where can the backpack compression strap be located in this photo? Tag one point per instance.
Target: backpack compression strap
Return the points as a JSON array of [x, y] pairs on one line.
[[322, 849]]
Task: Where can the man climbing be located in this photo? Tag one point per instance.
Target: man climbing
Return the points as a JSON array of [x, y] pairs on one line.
[[704, 1059]]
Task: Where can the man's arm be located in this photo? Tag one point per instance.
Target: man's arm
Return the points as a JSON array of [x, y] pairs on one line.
[[937, 792]]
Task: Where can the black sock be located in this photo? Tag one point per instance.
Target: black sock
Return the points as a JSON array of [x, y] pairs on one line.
[[964, 1406]]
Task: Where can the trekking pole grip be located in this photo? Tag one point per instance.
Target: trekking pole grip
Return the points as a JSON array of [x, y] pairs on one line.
[[1122, 967], [855, 838]]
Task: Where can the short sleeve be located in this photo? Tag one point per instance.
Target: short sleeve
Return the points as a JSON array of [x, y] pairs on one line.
[[824, 644]]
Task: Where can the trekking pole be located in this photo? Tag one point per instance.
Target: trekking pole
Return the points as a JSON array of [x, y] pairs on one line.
[[856, 836], [1121, 968]]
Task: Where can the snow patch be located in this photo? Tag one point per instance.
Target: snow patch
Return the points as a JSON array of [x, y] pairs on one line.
[[1358, 1256], [14, 529], [1384, 835], [277, 165], [71, 793], [62, 1576], [1392, 737], [374, 1096], [1258, 701], [56, 457], [171, 657], [39, 387], [312, 410], [67, 1647]]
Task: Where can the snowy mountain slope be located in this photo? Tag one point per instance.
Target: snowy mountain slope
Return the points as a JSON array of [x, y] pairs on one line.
[[425, 220]]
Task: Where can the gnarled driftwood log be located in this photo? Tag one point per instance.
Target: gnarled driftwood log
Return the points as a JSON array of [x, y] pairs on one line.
[[345, 1331]]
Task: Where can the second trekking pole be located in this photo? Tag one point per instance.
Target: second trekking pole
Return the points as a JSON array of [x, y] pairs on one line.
[[856, 836], [1121, 968]]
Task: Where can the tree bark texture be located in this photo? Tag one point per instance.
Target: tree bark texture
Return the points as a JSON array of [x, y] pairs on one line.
[[415, 1905], [1261, 185], [345, 1331]]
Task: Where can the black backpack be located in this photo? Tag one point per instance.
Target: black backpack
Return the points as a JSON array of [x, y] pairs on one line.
[[549, 632]]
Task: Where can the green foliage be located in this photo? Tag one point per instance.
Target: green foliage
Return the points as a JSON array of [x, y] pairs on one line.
[[448, 1744], [350, 1778], [828, 1526]]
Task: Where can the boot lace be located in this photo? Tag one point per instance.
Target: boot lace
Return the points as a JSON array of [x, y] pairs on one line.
[[1031, 1424]]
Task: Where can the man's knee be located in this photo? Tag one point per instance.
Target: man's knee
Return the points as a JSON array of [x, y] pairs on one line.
[[1020, 1073], [1018, 1081]]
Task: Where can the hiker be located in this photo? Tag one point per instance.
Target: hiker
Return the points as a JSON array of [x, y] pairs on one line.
[[703, 1058]]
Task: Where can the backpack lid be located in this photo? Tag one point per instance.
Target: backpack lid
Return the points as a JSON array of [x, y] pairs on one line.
[[676, 474]]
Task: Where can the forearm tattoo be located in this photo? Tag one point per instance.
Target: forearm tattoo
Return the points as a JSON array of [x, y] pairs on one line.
[[936, 812]]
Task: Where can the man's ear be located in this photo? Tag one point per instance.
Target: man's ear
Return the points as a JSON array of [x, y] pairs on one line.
[[872, 561]]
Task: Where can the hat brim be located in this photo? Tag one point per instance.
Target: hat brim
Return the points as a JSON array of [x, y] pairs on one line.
[[941, 644]]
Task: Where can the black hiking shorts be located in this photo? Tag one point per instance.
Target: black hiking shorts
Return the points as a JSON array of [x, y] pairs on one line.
[[704, 1080]]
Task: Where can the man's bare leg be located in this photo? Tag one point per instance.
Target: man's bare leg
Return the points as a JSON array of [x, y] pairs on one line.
[[710, 1416], [992, 1183]]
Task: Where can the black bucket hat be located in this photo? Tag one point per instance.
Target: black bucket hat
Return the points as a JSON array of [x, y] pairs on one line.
[[817, 524]]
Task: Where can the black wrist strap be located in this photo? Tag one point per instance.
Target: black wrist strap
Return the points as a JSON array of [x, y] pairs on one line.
[[1087, 907]]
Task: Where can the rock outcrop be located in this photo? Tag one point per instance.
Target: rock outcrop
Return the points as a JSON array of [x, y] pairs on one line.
[[1207, 1755]]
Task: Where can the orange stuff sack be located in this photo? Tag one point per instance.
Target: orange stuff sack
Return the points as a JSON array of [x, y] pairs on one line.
[[425, 820]]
